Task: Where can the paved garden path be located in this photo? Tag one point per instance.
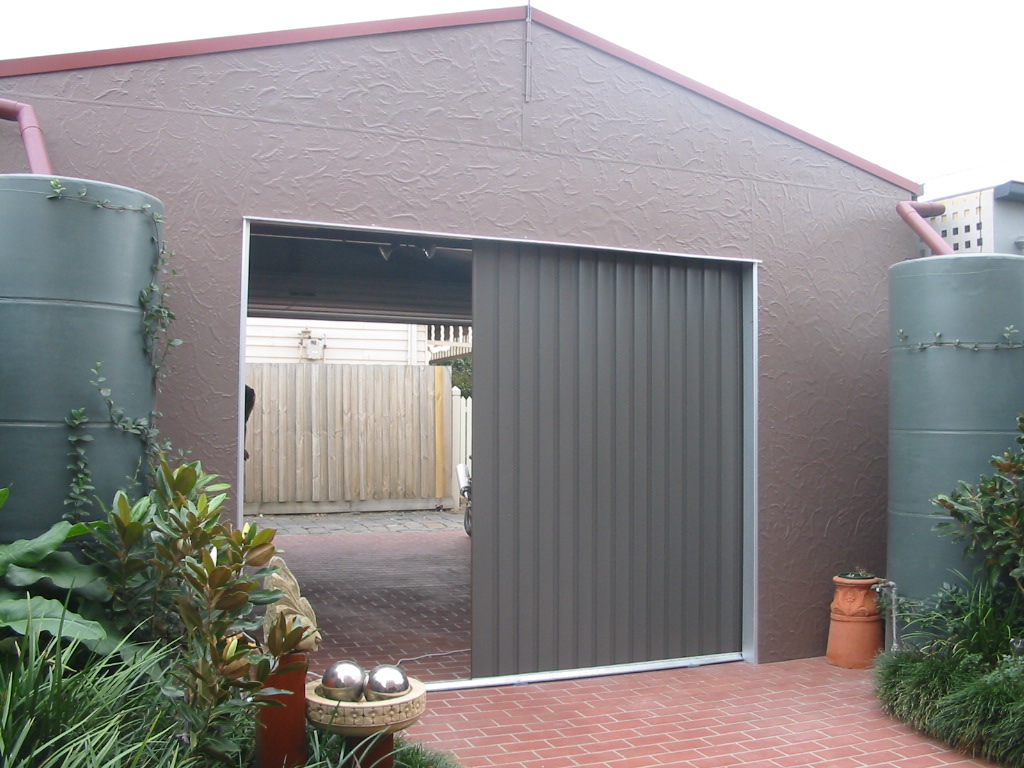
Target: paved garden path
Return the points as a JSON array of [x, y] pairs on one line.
[[380, 597]]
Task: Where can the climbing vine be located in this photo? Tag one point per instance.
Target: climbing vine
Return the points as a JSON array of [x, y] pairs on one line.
[[1008, 341], [157, 318], [81, 477]]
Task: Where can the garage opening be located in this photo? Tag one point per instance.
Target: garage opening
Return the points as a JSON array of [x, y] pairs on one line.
[[355, 432], [612, 431]]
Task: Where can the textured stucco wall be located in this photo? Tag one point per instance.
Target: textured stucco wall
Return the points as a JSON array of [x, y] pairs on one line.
[[433, 130]]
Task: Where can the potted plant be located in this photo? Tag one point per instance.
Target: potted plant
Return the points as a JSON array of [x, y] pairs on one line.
[[855, 634]]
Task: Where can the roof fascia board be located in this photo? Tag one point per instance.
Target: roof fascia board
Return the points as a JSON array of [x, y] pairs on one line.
[[727, 101], [34, 65]]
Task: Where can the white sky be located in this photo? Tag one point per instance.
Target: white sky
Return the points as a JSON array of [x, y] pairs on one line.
[[931, 91]]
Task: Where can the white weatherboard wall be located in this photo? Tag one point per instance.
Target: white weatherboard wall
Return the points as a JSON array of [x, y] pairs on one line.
[[270, 340]]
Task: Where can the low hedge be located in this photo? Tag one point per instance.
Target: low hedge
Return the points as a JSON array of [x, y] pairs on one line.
[[975, 708]]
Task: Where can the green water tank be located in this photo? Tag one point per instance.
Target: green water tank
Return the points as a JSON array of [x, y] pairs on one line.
[[951, 407], [71, 271]]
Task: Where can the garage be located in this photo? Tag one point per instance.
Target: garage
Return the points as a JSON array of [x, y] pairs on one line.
[[665, 450]]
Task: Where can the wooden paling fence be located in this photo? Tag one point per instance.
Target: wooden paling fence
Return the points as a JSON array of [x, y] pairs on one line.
[[361, 437]]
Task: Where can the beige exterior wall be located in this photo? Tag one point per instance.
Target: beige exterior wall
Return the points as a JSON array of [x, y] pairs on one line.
[[448, 130]]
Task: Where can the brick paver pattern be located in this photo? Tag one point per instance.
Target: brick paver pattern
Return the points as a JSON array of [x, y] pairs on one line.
[[387, 597]]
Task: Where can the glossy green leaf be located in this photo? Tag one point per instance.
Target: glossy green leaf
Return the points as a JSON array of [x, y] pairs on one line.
[[31, 551], [42, 614], [63, 571]]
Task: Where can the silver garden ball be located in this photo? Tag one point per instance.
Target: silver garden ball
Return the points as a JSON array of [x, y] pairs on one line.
[[386, 682], [344, 681]]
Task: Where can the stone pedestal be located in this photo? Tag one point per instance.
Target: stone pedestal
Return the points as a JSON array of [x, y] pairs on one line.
[[368, 726]]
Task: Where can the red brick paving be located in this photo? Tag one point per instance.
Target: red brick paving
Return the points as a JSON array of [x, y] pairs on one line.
[[386, 597], [605, 721]]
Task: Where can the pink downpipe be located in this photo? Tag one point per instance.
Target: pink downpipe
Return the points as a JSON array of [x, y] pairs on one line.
[[913, 213], [31, 135]]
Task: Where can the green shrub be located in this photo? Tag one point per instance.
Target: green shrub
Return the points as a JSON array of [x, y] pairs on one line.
[[910, 684], [62, 706], [411, 754], [979, 619], [968, 717], [166, 568], [1004, 742], [329, 750], [192, 580], [988, 518]]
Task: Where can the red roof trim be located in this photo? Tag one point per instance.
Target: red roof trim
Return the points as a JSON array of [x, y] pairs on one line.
[[40, 64], [34, 65]]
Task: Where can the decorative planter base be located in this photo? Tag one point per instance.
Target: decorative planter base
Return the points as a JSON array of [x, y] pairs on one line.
[[365, 718], [368, 726]]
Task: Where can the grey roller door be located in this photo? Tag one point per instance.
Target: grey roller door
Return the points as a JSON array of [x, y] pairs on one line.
[[607, 457]]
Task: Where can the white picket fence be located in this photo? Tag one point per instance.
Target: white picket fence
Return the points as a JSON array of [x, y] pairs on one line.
[[462, 431], [359, 437]]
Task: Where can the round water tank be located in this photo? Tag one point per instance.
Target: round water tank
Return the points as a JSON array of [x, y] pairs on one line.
[[72, 272], [952, 407]]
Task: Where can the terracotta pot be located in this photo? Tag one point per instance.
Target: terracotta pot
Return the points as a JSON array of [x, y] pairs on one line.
[[281, 731], [856, 631]]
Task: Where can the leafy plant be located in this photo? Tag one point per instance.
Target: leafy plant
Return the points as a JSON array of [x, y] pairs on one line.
[[962, 683], [462, 375], [968, 716], [47, 588], [972, 620], [329, 750], [157, 318], [910, 683], [972, 706], [62, 707], [988, 518], [174, 565]]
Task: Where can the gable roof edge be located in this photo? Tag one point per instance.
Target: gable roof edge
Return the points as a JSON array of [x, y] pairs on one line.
[[726, 101], [82, 60], [35, 65]]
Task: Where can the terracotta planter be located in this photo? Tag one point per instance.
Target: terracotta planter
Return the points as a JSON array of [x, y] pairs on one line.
[[855, 633], [281, 730]]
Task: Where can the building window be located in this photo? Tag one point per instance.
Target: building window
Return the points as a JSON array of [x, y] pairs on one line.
[[956, 230], [967, 228], [978, 226], [979, 242], [956, 246], [944, 232]]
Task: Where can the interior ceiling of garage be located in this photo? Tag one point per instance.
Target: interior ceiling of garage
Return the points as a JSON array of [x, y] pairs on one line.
[[312, 272]]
